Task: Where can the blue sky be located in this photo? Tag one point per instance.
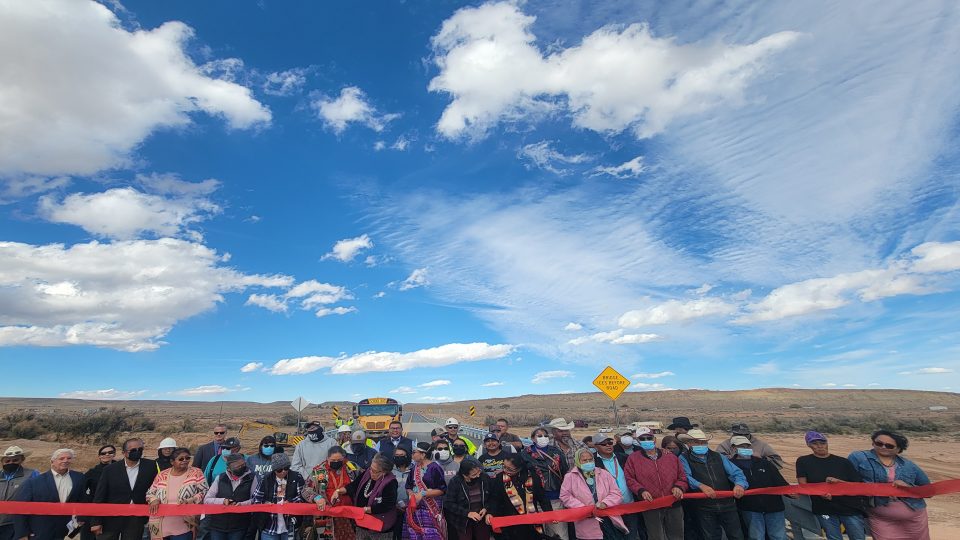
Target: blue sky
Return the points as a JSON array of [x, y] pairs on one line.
[[441, 201]]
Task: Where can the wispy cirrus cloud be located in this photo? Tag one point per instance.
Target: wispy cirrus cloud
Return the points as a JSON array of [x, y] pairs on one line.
[[109, 393], [544, 376], [444, 355]]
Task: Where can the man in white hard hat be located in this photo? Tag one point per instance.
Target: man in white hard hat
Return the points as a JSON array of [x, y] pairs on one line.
[[165, 453], [452, 428]]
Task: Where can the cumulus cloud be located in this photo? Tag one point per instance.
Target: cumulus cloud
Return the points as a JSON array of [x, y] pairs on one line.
[[444, 355], [432, 384], [616, 79], [543, 156], [269, 302], [13, 189], [339, 310], [285, 83], [631, 169], [251, 367], [616, 337], [927, 371], [544, 376], [673, 311], [84, 92], [351, 106], [345, 250], [126, 213], [936, 257], [309, 294], [573, 327], [653, 375], [109, 393], [417, 278], [125, 295]]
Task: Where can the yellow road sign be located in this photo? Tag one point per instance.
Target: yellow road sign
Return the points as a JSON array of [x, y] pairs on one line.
[[611, 383], [336, 411], [473, 411]]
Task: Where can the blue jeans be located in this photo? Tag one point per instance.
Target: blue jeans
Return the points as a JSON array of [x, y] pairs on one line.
[[853, 525], [227, 535], [760, 526], [264, 535], [184, 536]]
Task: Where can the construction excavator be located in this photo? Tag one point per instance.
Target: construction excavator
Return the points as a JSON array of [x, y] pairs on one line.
[[284, 440]]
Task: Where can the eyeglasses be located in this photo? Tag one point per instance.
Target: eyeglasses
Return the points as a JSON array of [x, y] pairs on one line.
[[219, 432], [285, 469], [888, 446], [109, 453]]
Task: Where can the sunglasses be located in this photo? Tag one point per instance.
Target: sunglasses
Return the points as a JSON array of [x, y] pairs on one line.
[[285, 469], [219, 432], [888, 446], [109, 453], [184, 458], [269, 446], [607, 443], [645, 438]]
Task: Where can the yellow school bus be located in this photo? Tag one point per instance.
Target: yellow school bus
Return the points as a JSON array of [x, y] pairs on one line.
[[375, 414]]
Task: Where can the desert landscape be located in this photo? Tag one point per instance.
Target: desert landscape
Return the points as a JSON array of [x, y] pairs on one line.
[[779, 416]]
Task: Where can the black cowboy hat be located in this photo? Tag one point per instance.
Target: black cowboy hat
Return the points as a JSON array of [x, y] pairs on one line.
[[682, 422]]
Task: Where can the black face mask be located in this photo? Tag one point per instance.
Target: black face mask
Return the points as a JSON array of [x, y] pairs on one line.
[[10, 467], [315, 436], [238, 472], [358, 447], [469, 480], [401, 461], [134, 454], [336, 465], [459, 450]]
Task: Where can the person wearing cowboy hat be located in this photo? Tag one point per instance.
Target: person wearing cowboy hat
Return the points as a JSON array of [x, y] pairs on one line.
[[560, 437], [760, 448], [708, 471], [14, 475]]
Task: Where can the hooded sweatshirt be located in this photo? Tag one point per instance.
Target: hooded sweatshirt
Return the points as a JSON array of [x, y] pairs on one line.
[[309, 454]]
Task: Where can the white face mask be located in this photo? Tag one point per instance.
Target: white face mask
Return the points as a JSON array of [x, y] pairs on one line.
[[626, 440], [543, 441], [443, 455]]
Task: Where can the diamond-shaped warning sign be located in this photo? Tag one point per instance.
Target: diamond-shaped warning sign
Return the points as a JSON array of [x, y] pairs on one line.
[[611, 383]]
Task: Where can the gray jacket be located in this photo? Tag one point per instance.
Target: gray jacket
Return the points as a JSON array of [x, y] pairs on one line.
[[309, 454], [8, 488]]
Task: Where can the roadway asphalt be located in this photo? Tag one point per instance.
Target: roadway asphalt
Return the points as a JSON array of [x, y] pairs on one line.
[[418, 427]]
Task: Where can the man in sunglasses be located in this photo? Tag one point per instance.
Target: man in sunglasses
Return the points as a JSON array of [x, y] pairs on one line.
[[613, 462], [208, 451]]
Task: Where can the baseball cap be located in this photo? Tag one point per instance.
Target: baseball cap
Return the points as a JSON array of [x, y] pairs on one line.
[[814, 436], [600, 437], [313, 426], [697, 435], [490, 437], [358, 436], [232, 442], [737, 440], [643, 431]]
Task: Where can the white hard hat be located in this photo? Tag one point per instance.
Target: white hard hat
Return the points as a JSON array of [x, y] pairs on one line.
[[452, 422], [344, 429], [167, 443]]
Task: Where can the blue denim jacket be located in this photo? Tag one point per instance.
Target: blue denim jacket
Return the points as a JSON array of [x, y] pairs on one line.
[[870, 468]]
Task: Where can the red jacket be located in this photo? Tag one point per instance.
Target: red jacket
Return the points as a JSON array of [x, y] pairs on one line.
[[658, 476]]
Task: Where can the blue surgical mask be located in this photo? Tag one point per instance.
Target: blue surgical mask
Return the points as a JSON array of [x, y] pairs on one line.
[[225, 452], [745, 452], [588, 467], [700, 450], [648, 445], [267, 450], [593, 451]]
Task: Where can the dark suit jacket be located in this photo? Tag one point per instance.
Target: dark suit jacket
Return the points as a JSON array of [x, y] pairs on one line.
[[387, 447], [43, 489], [114, 487], [203, 456]]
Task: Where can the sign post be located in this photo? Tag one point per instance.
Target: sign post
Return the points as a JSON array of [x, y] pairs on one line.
[[612, 383], [299, 404]]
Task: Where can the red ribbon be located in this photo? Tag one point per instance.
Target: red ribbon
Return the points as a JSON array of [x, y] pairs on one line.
[[848, 488], [167, 510]]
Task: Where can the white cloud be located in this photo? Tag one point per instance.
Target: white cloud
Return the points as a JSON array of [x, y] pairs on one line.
[[403, 390], [13, 189], [766, 368], [350, 106], [434, 399], [401, 144], [703, 289], [251, 367], [432, 384], [573, 327], [673, 311], [927, 371], [269, 302], [653, 375], [379, 145], [345, 250], [109, 393], [206, 390], [849, 385], [616, 337], [87, 91], [444, 355], [339, 310], [543, 156], [631, 169], [417, 278], [124, 295], [829, 384], [649, 387], [494, 383], [936, 257], [125, 213], [285, 83], [380, 294], [616, 79], [544, 376]]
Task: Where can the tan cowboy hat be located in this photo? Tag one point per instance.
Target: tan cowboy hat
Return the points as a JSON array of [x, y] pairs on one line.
[[560, 423], [15, 451]]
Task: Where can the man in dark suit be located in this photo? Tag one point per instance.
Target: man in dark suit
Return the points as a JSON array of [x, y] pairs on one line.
[[208, 451], [395, 439], [124, 482], [58, 485]]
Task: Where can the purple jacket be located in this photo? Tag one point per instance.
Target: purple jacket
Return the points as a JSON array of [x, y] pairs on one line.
[[574, 493]]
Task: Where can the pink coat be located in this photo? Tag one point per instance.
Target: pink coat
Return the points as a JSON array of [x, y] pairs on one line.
[[574, 493]]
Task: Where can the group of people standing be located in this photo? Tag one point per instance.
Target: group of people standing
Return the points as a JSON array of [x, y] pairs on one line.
[[450, 488]]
